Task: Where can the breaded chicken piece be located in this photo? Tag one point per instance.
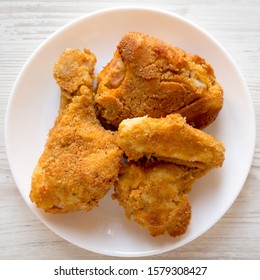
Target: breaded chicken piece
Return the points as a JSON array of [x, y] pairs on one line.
[[170, 139], [81, 160], [149, 77], [155, 195]]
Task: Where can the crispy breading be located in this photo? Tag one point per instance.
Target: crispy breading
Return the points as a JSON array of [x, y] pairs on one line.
[[147, 76], [155, 195], [170, 139], [73, 69], [81, 160]]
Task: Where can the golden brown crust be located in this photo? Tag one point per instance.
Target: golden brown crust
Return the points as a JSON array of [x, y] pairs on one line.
[[81, 160], [147, 80], [73, 69], [155, 195], [170, 139], [157, 79]]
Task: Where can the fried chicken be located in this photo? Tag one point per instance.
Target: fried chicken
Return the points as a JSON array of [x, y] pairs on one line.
[[165, 157], [169, 139], [81, 160], [155, 195], [149, 77]]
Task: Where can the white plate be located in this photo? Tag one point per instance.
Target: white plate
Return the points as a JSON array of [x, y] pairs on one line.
[[33, 107]]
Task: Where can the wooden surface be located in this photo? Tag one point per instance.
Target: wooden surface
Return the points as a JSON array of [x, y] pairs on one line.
[[25, 24]]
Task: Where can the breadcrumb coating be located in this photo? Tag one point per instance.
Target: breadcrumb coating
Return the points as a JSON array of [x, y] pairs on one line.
[[81, 160], [156, 196], [170, 139], [149, 77]]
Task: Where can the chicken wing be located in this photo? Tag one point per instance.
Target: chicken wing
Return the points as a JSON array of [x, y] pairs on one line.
[[149, 77], [81, 160], [169, 139], [155, 195]]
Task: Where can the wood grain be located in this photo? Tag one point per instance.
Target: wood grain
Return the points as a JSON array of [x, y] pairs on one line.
[[25, 24]]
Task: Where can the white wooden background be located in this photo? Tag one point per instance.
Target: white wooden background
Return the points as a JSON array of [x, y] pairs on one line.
[[25, 24]]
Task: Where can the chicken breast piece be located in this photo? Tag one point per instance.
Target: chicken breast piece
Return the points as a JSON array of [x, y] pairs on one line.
[[81, 160], [149, 77], [155, 196], [169, 139]]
